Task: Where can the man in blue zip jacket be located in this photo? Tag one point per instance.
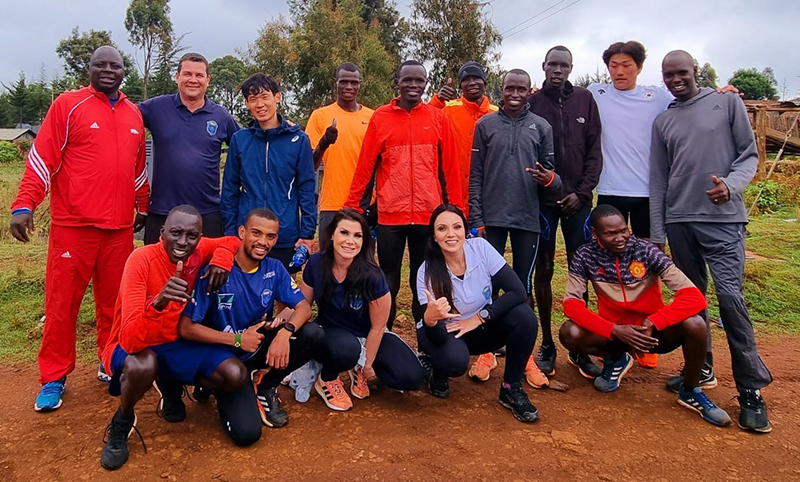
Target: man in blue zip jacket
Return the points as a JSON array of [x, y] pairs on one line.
[[270, 164]]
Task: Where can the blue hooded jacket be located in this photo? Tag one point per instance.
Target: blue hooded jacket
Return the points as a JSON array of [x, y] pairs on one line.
[[271, 168]]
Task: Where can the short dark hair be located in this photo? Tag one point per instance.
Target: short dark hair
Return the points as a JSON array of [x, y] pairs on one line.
[[604, 211], [347, 67], [184, 208], [633, 48], [408, 62], [559, 48], [517, 72], [192, 57], [263, 213], [259, 82]]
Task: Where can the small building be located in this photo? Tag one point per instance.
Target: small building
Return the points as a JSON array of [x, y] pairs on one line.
[[13, 135]]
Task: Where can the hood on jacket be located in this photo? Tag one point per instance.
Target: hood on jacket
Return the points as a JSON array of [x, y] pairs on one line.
[[704, 92]]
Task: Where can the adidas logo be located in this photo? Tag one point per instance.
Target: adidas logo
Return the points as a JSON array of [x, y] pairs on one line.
[[66, 255], [94, 126], [716, 107]]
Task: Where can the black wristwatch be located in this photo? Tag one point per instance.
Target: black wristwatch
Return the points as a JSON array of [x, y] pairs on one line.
[[484, 313], [289, 327]]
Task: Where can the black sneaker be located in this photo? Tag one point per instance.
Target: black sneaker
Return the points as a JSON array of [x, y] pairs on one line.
[[269, 406], [200, 394], [754, 412], [707, 380], [115, 450], [438, 386], [583, 362], [170, 404], [546, 359], [515, 399]]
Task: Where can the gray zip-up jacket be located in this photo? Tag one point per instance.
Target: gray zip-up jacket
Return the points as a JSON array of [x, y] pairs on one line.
[[501, 193], [708, 135]]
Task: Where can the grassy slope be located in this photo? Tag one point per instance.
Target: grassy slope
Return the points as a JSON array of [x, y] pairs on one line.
[[772, 288]]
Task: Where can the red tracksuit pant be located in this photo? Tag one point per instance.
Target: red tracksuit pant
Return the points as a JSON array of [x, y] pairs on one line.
[[76, 256]]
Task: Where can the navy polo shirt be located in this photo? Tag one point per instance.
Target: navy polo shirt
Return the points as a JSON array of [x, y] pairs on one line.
[[186, 152]]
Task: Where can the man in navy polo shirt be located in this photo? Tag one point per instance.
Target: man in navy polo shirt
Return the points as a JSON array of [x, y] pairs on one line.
[[188, 131]]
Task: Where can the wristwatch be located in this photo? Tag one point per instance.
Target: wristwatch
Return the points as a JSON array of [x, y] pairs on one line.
[[289, 327], [484, 313]]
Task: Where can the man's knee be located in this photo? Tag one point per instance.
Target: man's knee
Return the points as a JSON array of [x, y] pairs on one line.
[[142, 366], [695, 326], [246, 434], [230, 375], [570, 335]]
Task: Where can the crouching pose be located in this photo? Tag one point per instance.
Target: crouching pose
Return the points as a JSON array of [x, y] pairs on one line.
[[632, 317], [353, 301], [237, 317], [456, 282], [143, 346]]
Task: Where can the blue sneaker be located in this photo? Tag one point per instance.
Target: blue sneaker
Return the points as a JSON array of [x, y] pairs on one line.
[[613, 371], [697, 400], [49, 397], [102, 375]]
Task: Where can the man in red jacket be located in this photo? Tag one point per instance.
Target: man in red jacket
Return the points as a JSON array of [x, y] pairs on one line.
[[410, 149], [90, 154], [625, 273]]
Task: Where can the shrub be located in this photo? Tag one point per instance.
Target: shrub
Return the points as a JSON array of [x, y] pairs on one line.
[[23, 145], [768, 201], [9, 153]]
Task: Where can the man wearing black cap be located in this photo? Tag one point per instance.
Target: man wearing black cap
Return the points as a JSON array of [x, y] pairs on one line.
[[464, 112]]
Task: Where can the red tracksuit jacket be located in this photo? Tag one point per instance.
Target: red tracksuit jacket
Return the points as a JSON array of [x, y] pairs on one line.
[[91, 156]]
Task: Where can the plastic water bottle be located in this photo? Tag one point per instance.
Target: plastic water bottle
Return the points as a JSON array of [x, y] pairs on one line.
[[299, 257], [473, 232]]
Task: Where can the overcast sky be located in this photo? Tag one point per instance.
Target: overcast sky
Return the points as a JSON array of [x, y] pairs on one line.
[[729, 34]]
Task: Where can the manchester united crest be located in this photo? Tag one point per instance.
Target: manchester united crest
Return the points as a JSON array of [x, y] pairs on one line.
[[637, 269]]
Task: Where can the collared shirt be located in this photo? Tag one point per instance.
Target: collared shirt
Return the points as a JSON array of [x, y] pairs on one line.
[[473, 291], [186, 152]]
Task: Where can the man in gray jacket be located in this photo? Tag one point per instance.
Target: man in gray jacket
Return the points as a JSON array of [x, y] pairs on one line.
[[512, 157], [703, 155]]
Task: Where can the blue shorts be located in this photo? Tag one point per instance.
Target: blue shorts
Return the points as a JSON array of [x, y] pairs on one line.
[[181, 360]]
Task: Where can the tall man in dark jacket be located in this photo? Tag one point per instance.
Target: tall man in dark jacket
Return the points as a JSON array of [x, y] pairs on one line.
[[573, 115]]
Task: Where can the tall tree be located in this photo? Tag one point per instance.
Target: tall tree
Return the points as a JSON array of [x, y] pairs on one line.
[[150, 29], [706, 75], [451, 32], [754, 84], [19, 100], [227, 74], [392, 28], [76, 50]]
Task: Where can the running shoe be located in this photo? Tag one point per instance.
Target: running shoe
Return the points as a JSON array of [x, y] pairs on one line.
[[647, 360], [515, 399], [102, 375], [546, 359], [534, 376], [269, 407], [697, 400], [483, 366], [754, 412], [613, 371], [200, 394], [170, 404], [115, 450], [333, 394], [358, 384], [49, 397], [438, 386], [707, 380], [583, 362]]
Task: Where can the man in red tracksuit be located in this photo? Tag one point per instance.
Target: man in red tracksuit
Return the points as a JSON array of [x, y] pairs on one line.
[[90, 154], [410, 149]]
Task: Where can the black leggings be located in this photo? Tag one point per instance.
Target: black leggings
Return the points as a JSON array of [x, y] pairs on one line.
[[238, 412], [524, 247], [450, 355], [396, 365], [391, 245], [305, 344]]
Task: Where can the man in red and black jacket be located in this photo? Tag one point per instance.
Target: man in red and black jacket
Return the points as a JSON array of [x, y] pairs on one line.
[[410, 150], [90, 155], [573, 115], [626, 274]]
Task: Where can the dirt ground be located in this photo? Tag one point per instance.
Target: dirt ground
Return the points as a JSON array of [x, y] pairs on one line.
[[637, 433]]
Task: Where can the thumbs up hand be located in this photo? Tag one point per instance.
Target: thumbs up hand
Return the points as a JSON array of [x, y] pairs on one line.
[[447, 92], [720, 194], [331, 135], [176, 289]]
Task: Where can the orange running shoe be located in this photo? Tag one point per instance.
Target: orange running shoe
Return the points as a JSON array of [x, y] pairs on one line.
[[483, 366], [333, 394], [647, 360], [358, 384], [534, 376]]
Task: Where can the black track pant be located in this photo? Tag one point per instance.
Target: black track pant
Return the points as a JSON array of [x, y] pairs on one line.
[[391, 245], [238, 412], [305, 344], [524, 247]]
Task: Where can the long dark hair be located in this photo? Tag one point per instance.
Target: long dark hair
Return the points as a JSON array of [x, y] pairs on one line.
[[363, 266], [436, 274]]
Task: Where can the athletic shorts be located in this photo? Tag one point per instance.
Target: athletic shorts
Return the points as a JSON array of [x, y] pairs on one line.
[[577, 228], [181, 360], [664, 345]]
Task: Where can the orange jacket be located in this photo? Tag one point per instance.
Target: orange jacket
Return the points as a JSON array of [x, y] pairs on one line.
[[414, 159], [463, 115]]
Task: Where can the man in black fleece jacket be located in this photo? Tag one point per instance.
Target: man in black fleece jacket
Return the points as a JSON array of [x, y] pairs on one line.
[[573, 115]]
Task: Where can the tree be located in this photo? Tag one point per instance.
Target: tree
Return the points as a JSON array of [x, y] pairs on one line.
[[451, 32], [227, 74], [133, 86], [598, 77], [754, 84], [19, 100], [76, 50], [706, 75], [393, 29], [150, 29]]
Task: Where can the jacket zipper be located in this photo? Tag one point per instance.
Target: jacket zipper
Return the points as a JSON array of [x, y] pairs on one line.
[[411, 162], [266, 169], [116, 177], [619, 277], [563, 131]]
